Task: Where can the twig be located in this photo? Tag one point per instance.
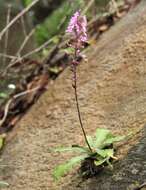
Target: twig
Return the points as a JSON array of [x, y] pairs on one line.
[[25, 41], [115, 6], [6, 110], [18, 56], [37, 49], [88, 7], [23, 26], [7, 56], [16, 59], [31, 53], [7, 33], [2, 73], [141, 186], [26, 92], [24, 11]]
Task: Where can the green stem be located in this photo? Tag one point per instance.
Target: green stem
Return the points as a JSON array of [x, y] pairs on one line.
[[78, 107]]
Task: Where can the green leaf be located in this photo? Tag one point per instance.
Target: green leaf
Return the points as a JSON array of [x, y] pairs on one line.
[[1, 142], [111, 140], [99, 162], [109, 163], [104, 138], [27, 2], [55, 39], [68, 50], [105, 152], [3, 184], [55, 70], [101, 135], [90, 141], [72, 149], [3, 95], [105, 156], [57, 21], [109, 152], [62, 169]]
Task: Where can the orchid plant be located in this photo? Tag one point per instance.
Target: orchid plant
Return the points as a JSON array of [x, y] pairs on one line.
[[99, 150]]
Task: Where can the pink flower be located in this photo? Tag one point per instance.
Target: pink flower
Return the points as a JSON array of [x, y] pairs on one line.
[[73, 22], [78, 27]]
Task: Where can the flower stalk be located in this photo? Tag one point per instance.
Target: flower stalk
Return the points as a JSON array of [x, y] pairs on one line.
[[77, 104]]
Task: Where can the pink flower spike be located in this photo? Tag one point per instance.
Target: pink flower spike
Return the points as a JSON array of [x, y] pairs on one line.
[[73, 22], [78, 27]]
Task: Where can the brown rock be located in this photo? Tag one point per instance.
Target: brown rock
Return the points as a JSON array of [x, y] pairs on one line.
[[112, 94]]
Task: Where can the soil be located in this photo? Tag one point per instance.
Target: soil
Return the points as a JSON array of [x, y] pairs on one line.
[[112, 94]]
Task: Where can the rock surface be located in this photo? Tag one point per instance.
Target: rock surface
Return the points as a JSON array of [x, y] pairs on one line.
[[112, 94]]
